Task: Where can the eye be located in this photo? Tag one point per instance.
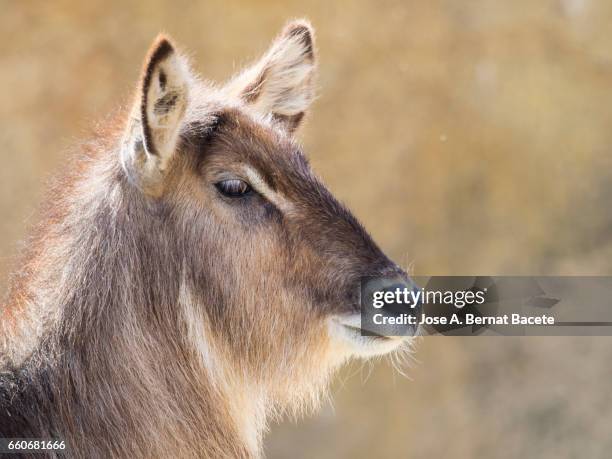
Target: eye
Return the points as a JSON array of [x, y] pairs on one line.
[[233, 188]]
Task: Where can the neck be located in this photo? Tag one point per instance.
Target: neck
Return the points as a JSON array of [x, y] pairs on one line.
[[104, 399], [112, 364]]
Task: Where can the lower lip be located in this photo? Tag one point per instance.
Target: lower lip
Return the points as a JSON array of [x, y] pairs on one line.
[[359, 331]]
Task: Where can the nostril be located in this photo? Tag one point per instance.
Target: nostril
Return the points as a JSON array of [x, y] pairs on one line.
[[396, 297]]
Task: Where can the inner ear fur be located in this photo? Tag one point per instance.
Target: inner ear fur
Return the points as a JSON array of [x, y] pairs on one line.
[[152, 134], [282, 83]]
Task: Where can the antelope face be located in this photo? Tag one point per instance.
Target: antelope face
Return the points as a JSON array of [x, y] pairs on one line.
[[272, 261]]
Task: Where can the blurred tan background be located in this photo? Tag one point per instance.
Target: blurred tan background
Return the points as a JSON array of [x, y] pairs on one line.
[[470, 137]]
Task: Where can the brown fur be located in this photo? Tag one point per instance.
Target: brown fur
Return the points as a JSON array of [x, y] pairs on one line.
[[176, 323]]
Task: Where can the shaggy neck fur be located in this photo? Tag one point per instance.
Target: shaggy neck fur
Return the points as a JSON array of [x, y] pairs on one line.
[[101, 338]]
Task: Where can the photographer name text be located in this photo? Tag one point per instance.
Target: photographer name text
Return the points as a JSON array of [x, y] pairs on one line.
[[467, 319]]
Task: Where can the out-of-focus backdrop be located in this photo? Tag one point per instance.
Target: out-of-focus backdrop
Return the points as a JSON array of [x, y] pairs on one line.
[[469, 137]]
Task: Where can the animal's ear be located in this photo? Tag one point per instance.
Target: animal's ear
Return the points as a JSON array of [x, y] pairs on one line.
[[155, 122], [282, 82]]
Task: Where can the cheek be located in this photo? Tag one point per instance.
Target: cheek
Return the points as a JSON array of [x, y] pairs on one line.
[[243, 275], [255, 285]]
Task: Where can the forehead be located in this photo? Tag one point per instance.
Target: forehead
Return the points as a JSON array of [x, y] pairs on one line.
[[232, 138]]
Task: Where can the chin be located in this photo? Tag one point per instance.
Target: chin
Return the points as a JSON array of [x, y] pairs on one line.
[[346, 331]]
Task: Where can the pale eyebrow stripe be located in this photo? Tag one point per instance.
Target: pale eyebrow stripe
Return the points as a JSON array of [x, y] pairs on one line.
[[262, 187]]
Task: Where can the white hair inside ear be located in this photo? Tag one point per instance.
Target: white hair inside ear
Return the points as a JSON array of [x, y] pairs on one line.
[[282, 82], [152, 134]]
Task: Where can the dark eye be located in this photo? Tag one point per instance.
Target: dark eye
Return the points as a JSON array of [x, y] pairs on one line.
[[233, 188]]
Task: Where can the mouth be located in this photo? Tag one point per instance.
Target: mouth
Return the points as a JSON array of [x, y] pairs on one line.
[[347, 329]]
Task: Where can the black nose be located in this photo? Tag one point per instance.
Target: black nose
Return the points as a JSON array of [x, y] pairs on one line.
[[390, 306]]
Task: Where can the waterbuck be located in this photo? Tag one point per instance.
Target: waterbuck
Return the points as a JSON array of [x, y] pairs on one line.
[[191, 277]]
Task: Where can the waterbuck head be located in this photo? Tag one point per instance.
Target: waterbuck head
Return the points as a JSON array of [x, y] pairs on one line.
[[271, 262], [192, 276]]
